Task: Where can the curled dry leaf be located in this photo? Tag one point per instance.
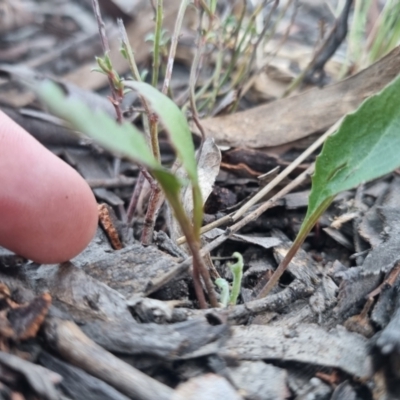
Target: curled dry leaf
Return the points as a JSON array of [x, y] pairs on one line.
[[208, 168]]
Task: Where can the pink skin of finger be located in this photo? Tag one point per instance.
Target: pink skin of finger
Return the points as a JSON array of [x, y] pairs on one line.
[[48, 213]]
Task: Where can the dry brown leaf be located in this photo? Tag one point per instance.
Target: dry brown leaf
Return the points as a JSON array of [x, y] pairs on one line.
[[296, 117]]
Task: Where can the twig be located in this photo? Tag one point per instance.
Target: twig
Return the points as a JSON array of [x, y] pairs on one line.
[[265, 190], [134, 198], [260, 210], [224, 220]]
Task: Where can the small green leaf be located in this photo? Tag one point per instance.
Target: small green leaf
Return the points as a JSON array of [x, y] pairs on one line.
[[121, 139], [365, 147], [174, 122]]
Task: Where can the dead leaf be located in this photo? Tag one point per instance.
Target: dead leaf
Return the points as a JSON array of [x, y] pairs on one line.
[[296, 117], [208, 169]]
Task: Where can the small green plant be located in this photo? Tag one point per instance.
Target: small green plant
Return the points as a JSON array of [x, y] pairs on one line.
[[228, 296], [365, 147], [125, 140]]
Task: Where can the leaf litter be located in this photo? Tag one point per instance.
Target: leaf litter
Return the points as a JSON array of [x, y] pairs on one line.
[[109, 339]]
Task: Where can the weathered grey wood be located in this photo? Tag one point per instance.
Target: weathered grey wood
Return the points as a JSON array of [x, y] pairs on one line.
[[73, 345]]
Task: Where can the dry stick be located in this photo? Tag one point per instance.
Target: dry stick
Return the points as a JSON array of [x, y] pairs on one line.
[[74, 346], [286, 171], [215, 224], [116, 98], [134, 198], [260, 210]]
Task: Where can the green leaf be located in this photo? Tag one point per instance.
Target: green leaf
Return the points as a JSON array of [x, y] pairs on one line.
[[121, 139], [124, 140], [365, 147], [174, 122]]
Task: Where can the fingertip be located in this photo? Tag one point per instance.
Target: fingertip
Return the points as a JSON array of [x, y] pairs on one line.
[[48, 212]]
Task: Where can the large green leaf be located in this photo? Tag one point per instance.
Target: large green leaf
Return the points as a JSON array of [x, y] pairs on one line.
[[175, 123], [365, 147], [122, 139]]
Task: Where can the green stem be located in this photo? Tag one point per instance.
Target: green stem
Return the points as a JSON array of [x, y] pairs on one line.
[[237, 271], [127, 51], [157, 41], [305, 229]]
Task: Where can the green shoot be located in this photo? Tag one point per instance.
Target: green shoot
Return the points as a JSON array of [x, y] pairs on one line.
[[237, 271], [224, 287]]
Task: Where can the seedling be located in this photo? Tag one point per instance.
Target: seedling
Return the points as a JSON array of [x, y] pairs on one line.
[[227, 296]]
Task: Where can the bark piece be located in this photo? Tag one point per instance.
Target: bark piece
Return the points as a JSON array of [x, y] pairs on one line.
[[77, 384], [164, 341], [39, 378], [76, 293], [310, 344], [206, 387], [256, 379], [135, 270], [27, 319], [74, 346]]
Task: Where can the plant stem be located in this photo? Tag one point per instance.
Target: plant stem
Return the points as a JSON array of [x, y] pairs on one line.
[[174, 44], [304, 231], [157, 39], [193, 76], [115, 97], [128, 50], [150, 124], [237, 271]]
